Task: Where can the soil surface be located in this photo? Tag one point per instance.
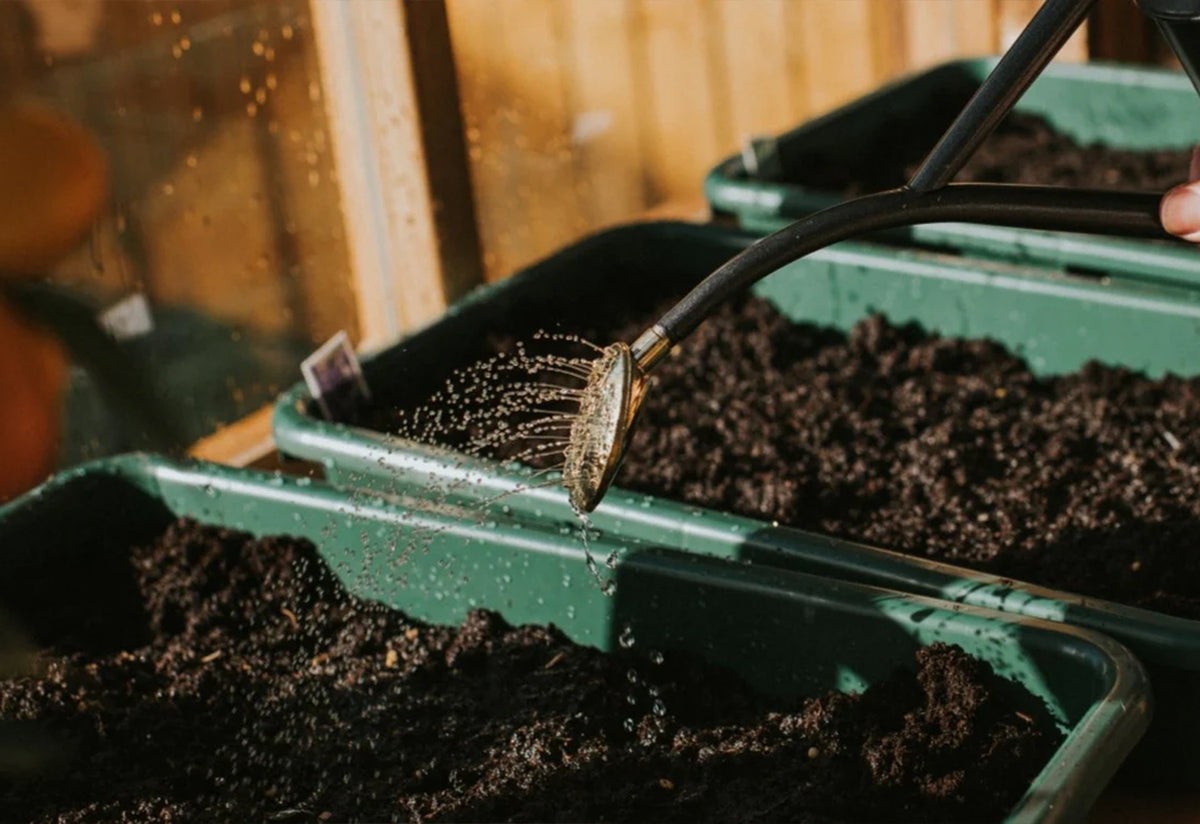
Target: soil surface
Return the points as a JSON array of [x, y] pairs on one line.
[[252, 687], [1025, 148], [945, 448]]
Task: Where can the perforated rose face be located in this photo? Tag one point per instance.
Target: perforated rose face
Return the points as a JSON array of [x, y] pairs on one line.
[[597, 439]]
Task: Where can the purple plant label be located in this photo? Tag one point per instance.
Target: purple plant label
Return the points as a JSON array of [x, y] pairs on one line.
[[335, 378]]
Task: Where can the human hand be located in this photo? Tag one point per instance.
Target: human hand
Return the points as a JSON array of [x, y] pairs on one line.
[[1180, 207]]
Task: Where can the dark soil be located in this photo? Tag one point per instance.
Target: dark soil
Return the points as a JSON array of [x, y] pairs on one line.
[[1025, 148], [265, 692], [943, 448]]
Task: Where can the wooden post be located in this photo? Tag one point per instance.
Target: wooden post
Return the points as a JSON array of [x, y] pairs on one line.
[[1117, 30], [407, 240]]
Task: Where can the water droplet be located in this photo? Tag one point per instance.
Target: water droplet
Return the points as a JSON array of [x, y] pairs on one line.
[[625, 639], [656, 657]]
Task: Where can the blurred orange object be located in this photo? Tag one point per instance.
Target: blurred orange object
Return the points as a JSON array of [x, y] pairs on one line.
[[33, 374], [53, 186]]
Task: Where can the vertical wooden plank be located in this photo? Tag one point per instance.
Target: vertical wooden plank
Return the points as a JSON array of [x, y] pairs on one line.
[[1117, 30], [939, 30], [445, 149], [605, 136], [370, 101], [535, 74], [795, 21], [929, 32], [889, 49], [1013, 15], [838, 47], [683, 139], [717, 66], [476, 36], [976, 33], [513, 61], [756, 49]]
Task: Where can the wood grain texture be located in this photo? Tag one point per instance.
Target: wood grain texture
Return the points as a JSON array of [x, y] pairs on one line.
[[537, 49], [756, 62], [603, 95], [682, 111], [370, 99], [442, 134], [583, 113]]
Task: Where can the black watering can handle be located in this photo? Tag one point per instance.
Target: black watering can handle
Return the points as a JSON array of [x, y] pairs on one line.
[[928, 199], [1133, 214], [1179, 21]]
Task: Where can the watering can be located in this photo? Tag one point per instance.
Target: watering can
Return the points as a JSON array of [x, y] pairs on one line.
[[617, 383]]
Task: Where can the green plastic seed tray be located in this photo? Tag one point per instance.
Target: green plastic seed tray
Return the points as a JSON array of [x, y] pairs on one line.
[[1056, 321], [1119, 106], [786, 632]]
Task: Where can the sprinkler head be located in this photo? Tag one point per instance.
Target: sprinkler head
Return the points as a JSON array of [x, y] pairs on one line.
[[600, 432]]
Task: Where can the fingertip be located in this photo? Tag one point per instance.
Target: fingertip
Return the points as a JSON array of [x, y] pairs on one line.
[[1180, 211]]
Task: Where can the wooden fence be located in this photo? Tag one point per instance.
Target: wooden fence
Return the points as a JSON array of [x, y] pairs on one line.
[[581, 114]]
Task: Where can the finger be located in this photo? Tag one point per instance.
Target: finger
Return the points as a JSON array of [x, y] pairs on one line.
[[1180, 211]]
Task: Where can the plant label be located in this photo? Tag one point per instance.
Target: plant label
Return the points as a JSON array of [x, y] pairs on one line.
[[335, 379], [128, 318]]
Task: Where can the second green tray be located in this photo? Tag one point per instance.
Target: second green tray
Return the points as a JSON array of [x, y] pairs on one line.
[[1122, 106]]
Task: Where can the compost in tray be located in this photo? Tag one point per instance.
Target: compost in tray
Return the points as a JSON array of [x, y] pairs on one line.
[[241, 682], [1024, 148], [943, 448]]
